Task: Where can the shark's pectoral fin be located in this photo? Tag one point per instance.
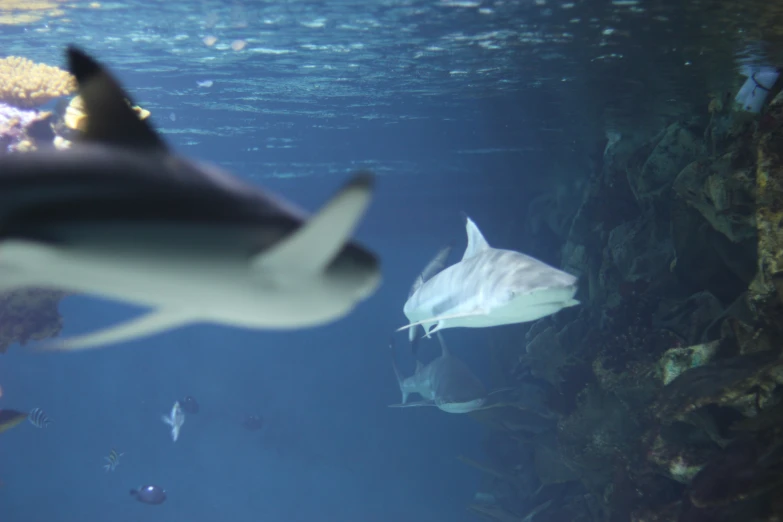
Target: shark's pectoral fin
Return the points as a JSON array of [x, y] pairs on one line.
[[136, 328], [20, 262], [413, 404], [315, 244], [434, 320]]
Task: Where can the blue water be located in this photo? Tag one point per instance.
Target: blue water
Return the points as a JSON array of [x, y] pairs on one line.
[[330, 450], [472, 107]]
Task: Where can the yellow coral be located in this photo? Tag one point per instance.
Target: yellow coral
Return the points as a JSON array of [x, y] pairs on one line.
[[26, 84], [21, 12], [75, 117]]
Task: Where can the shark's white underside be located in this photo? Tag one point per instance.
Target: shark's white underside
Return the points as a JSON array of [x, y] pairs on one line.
[[182, 281]]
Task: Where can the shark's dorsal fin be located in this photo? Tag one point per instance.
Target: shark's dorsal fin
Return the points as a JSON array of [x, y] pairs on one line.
[[110, 118], [433, 267], [476, 241], [444, 349], [315, 244]]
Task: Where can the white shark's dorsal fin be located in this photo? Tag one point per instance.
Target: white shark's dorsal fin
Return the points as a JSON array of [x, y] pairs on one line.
[[316, 243], [444, 349], [148, 324], [110, 118], [476, 241]]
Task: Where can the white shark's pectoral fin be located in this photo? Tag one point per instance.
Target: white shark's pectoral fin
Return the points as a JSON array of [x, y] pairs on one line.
[[570, 303], [413, 404], [143, 326], [167, 420], [434, 320], [315, 244]]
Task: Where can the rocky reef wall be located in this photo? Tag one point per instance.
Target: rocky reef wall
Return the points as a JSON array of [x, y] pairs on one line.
[[660, 398]]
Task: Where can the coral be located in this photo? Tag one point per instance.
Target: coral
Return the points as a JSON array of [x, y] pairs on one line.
[[667, 383], [27, 315], [21, 12], [723, 193], [26, 84], [678, 360], [674, 149], [767, 288], [745, 383], [74, 121], [741, 470]]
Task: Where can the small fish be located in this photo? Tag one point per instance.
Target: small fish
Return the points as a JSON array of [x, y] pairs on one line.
[[175, 419], [190, 404], [253, 422], [149, 494], [113, 460], [10, 418], [38, 418]]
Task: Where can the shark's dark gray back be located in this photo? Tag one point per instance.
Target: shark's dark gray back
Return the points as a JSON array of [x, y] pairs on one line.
[[121, 168]]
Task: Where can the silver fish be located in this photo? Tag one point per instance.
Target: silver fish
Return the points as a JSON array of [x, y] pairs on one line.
[[38, 418], [113, 460], [175, 419]]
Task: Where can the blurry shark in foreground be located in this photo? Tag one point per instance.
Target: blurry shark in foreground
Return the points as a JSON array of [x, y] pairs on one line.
[[446, 383], [120, 216], [488, 287]]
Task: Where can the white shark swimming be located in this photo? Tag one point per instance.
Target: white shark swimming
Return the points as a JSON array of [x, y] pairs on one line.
[[446, 383], [175, 419], [123, 217], [487, 287]]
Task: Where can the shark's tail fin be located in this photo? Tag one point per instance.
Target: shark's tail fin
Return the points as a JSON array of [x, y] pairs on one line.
[[397, 373]]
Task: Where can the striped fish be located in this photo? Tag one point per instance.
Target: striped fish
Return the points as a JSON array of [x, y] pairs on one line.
[[38, 418], [113, 460]]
